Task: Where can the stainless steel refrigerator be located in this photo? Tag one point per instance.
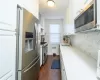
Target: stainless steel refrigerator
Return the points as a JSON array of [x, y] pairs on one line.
[[27, 55]]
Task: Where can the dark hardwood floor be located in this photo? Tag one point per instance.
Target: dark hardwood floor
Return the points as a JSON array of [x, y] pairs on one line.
[[46, 73]]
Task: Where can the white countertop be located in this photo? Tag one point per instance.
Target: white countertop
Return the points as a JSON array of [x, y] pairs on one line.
[[78, 65]]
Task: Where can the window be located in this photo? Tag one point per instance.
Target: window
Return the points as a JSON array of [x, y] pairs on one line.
[[54, 34]]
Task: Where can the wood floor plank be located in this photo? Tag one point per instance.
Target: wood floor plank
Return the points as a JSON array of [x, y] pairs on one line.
[[46, 73]]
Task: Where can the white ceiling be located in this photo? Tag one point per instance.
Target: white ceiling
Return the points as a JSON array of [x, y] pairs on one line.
[[58, 11]]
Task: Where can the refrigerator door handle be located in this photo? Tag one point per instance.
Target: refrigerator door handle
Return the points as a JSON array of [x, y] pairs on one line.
[[31, 66]]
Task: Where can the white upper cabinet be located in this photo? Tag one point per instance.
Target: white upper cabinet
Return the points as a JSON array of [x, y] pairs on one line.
[[69, 18], [8, 11], [30, 5], [7, 55], [74, 8], [78, 7], [8, 14]]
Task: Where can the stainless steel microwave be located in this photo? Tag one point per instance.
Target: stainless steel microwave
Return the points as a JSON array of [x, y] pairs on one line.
[[87, 18]]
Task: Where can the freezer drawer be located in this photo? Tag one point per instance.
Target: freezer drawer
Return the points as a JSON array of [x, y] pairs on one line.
[[32, 72]]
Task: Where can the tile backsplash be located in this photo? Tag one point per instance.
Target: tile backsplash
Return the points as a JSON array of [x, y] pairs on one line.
[[89, 42]]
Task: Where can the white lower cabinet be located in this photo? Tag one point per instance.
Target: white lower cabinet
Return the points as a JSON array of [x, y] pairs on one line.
[[7, 55], [8, 76], [63, 72]]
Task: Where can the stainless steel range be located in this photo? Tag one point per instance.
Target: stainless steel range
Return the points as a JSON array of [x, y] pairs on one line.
[[44, 50]]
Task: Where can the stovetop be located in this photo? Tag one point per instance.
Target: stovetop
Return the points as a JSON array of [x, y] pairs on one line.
[[43, 43]]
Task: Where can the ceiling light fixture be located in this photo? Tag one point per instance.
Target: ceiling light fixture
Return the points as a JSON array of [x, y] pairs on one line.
[[51, 3]]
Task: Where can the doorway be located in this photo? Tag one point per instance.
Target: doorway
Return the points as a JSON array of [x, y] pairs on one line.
[[53, 29]]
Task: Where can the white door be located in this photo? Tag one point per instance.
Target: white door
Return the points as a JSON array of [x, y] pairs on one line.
[[7, 55], [54, 38], [54, 34]]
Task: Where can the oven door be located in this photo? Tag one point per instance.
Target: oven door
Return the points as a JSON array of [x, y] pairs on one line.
[[44, 55]]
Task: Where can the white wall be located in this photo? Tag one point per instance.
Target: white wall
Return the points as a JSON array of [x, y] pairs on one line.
[[89, 42], [47, 23], [42, 20]]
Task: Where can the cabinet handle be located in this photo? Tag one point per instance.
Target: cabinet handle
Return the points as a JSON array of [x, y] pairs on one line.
[[32, 66]]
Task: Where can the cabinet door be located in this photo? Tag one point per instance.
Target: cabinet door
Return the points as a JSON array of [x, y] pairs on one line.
[[8, 14], [7, 55], [62, 75], [78, 7], [63, 72]]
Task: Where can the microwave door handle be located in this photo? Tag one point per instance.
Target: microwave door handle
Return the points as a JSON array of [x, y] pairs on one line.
[[31, 66]]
